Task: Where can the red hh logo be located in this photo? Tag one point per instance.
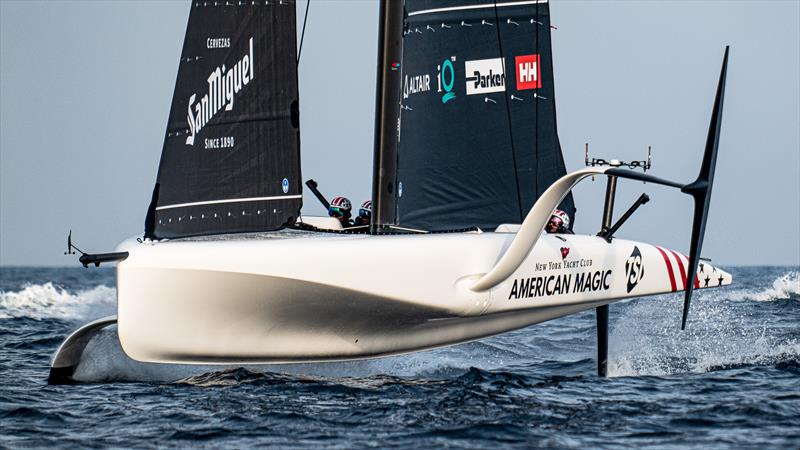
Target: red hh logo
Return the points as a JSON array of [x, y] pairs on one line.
[[528, 72]]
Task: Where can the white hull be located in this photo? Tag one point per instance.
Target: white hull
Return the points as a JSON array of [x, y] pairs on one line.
[[323, 297]]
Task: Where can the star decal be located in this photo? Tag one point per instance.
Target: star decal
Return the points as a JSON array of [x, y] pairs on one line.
[[720, 280], [708, 278], [702, 268]]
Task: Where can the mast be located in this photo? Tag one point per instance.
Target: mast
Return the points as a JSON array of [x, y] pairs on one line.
[[387, 115]]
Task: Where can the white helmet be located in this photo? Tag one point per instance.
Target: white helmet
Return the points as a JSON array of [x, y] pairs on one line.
[[559, 222]]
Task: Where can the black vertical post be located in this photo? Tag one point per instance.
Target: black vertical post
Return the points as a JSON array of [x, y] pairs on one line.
[[608, 209], [602, 311], [602, 340], [387, 113]]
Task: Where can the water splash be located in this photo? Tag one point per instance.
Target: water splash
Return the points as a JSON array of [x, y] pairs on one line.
[[49, 301], [785, 287], [647, 340]]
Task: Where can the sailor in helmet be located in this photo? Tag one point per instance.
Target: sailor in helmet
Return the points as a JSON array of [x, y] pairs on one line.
[[364, 214], [340, 208], [558, 223]]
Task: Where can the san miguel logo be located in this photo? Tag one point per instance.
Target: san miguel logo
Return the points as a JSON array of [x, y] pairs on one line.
[[529, 72], [223, 85], [634, 269]]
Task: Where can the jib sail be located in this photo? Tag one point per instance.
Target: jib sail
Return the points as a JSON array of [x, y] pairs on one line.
[[231, 157], [477, 138]]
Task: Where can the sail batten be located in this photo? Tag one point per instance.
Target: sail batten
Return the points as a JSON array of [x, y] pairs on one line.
[[228, 200], [472, 7]]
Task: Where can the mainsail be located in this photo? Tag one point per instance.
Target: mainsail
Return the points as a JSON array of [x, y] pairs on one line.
[[477, 140], [231, 157]]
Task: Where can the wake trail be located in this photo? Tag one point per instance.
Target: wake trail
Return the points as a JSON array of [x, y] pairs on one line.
[[785, 287], [50, 301]]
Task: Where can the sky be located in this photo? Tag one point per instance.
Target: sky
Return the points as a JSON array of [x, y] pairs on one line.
[[85, 89]]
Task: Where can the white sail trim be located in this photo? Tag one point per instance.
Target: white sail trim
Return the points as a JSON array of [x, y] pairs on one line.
[[230, 200], [462, 8]]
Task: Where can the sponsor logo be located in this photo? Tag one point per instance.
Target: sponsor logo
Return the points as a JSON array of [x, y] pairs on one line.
[[549, 285], [634, 269], [415, 84], [395, 66], [219, 142], [446, 77], [564, 252], [223, 85], [218, 42], [529, 72], [485, 76], [285, 185], [563, 264]]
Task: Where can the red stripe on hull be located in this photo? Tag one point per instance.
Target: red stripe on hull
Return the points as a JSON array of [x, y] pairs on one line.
[[680, 266], [696, 278], [669, 268]]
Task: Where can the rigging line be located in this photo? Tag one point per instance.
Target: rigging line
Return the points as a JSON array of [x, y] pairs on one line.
[[303, 33], [508, 113]]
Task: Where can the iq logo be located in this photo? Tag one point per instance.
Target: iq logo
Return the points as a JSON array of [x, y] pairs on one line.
[[285, 185], [528, 72], [446, 78]]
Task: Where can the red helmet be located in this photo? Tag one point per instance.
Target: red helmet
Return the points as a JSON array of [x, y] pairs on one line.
[[366, 209], [340, 207]]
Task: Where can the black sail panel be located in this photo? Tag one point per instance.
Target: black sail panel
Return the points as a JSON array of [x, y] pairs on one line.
[[231, 158], [478, 137]]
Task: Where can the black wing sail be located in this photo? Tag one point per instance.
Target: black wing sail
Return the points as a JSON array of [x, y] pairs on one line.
[[478, 142], [231, 157]]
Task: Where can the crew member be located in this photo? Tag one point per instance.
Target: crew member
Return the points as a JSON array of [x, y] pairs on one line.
[[340, 208], [558, 223], [364, 214]]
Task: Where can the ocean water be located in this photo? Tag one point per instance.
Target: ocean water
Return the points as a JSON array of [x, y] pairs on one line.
[[732, 379]]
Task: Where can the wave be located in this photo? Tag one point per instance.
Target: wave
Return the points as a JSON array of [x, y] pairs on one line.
[[785, 287], [49, 301]]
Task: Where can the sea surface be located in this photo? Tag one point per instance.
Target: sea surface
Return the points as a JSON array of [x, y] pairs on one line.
[[732, 379]]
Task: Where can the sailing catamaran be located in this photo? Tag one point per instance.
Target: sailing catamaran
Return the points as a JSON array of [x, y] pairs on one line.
[[467, 171]]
